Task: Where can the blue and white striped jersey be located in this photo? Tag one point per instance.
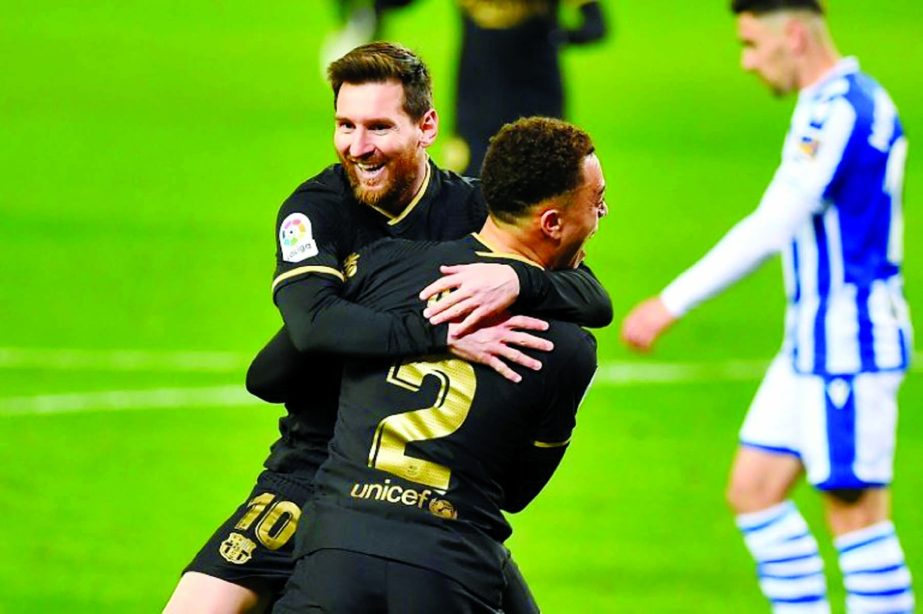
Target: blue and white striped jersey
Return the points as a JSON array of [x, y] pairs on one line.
[[833, 211], [846, 149]]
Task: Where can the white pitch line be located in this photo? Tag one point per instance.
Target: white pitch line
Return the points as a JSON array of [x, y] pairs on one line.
[[123, 360], [611, 374], [122, 400]]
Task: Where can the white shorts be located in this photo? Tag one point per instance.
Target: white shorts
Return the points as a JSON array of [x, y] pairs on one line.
[[841, 427]]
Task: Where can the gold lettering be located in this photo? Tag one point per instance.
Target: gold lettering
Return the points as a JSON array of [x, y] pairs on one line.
[[423, 497], [410, 497], [375, 491], [391, 491], [360, 494]]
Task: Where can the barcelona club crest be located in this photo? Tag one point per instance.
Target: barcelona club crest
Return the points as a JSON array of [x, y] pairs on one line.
[[237, 549]]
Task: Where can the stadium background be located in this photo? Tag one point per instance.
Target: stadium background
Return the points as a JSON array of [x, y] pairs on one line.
[[146, 147]]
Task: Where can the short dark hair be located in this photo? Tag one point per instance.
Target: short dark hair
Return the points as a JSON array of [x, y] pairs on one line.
[[380, 62], [530, 160], [759, 7]]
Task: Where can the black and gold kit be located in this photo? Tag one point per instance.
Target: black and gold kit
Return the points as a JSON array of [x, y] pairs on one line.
[[319, 229], [428, 451], [509, 66]]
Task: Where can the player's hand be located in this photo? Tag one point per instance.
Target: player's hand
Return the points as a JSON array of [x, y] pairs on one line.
[[493, 345], [646, 322], [475, 292]]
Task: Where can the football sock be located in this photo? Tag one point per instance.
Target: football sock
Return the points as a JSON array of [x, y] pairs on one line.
[[874, 571], [790, 570]]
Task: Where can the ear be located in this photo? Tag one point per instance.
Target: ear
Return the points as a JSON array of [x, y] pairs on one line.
[[429, 128], [796, 35], [551, 223]]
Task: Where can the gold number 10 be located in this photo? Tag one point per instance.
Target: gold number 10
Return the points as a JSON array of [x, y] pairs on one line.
[[269, 531]]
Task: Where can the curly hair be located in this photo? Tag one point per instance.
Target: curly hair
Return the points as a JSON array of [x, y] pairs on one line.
[[530, 160], [380, 62]]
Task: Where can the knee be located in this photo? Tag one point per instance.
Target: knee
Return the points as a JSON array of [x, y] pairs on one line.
[[852, 510], [745, 496]]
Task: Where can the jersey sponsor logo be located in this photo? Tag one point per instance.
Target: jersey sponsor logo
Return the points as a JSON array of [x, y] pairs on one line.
[[295, 238], [396, 494], [237, 549]]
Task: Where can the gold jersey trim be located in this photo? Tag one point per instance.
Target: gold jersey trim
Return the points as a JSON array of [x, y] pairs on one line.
[[504, 14], [553, 444], [392, 219], [323, 270], [496, 253]]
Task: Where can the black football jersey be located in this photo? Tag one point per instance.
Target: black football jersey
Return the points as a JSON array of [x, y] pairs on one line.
[[426, 451]]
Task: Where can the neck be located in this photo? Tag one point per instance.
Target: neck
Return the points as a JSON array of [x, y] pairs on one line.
[[822, 55], [422, 171], [518, 240], [397, 206]]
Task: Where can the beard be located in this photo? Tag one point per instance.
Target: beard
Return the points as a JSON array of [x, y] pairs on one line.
[[393, 190]]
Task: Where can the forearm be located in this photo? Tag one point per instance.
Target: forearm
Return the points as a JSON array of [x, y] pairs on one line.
[[529, 476], [755, 238], [318, 320], [274, 370], [573, 295]]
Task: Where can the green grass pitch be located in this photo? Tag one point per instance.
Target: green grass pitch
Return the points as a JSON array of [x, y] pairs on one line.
[[145, 149]]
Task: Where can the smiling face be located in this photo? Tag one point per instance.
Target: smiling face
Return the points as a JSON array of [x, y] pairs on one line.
[[767, 50], [382, 148], [580, 216]]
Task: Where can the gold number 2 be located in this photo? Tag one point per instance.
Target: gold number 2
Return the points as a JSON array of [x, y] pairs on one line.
[[457, 384]]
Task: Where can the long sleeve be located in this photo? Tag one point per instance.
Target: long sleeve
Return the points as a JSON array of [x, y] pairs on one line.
[[791, 199], [319, 320], [573, 295]]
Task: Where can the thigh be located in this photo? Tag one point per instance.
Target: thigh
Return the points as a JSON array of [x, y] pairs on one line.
[[417, 590], [197, 592], [869, 507], [334, 582], [253, 547], [760, 479]]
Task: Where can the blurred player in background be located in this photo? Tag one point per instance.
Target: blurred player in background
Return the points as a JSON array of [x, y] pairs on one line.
[[509, 68], [406, 516], [360, 23], [828, 403], [385, 185]]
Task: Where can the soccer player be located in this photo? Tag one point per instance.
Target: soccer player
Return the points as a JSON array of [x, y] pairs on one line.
[[406, 515], [509, 67], [827, 405], [385, 185]]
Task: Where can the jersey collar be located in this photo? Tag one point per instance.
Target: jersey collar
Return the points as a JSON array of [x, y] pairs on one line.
[[846, 66], [494, 252], [394, 220]]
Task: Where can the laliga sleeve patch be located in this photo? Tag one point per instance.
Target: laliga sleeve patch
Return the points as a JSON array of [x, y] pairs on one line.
[[808, 146], [295, 238]]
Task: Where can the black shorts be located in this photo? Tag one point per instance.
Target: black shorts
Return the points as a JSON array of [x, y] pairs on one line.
[[341, 581], [253, 548]]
